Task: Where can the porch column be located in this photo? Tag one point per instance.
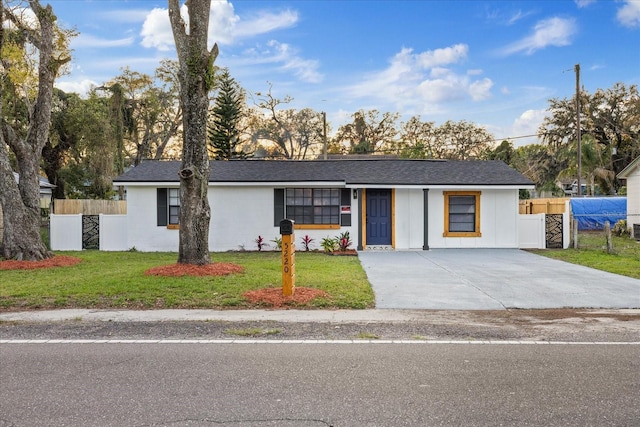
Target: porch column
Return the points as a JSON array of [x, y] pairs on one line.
[[425, 196], [362, 227]]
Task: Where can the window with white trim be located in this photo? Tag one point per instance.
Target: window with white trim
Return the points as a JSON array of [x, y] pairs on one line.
[[174, 206], [168, 207]]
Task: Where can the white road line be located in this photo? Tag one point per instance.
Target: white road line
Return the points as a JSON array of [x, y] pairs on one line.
[[250, 341]]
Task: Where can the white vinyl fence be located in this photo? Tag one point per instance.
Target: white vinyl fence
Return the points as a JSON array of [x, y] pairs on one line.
[[66, 232], [532, 233]]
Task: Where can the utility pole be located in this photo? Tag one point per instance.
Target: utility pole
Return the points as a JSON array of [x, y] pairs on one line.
[[578, 132], [324, 134]]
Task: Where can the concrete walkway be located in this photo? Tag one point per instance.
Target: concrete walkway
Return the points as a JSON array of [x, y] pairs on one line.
[[491, 279]]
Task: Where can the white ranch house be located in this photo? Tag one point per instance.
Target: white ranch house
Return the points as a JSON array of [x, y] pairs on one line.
[[383, 203]]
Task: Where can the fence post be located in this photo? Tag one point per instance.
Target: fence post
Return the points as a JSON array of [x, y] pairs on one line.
[[607, 233], [574, 229]]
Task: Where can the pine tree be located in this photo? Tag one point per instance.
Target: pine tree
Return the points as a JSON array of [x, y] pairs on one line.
[[226, 115]]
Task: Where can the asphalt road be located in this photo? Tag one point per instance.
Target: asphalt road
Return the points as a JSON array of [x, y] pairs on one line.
[[319, 385]]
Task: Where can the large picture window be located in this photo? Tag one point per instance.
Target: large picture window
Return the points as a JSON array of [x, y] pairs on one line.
[[318, 206], [462, 214]]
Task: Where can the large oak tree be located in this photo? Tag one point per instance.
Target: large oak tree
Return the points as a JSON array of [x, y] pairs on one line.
[[25, 136], [196, 76]]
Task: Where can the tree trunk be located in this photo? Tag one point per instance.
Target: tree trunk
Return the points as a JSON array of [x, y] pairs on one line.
[[196, 75], [21, 238], [21, 202]]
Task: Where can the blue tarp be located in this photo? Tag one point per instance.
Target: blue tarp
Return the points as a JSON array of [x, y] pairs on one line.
[[591, 213]]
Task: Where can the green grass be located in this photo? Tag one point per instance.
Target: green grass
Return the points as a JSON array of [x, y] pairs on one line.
[[367, 336], [117, 280], [252, 332], [592, 252]]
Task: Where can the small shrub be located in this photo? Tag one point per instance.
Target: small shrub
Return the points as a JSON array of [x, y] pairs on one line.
[[620, 229], [261, 243], [344, 241], [306, 241], [329, 244], [278, 243]]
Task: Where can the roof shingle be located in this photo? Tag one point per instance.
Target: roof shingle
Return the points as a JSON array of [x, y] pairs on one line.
[[351, 172]]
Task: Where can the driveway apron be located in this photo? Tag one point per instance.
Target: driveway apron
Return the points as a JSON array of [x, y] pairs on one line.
[[491, 279]]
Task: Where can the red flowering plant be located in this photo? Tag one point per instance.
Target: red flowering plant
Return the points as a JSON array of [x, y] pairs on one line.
[[306, 241]]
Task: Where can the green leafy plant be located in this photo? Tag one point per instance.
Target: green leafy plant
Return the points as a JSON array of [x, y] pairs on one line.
[[329, 244], [620, 229], [261, 243], [278, 242], [306, 241], [344, 241]]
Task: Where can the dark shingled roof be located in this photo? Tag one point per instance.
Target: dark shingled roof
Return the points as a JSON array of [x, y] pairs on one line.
[[351, 172]]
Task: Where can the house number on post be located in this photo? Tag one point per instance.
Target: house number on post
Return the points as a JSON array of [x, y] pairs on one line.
[[288, 257]]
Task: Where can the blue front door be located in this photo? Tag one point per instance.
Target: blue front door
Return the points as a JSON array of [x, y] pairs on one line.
[[378, 217]]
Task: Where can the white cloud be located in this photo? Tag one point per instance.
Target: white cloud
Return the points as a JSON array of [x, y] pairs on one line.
[[423, 81], [283, 56], [156, 30], [584, 3], [87, 40], [305, 69], [480, 89], [225, 27], [265, 22], [629, 14], [549, 32], [527, 124], [81, 87], [438, 57], [517, 17]]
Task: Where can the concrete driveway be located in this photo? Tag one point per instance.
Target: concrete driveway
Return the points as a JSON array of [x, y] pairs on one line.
[[491, 279]]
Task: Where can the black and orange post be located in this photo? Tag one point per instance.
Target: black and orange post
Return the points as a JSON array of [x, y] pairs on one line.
[[288, 257]]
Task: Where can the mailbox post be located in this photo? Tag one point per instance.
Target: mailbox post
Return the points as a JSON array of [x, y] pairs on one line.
[[288, 257]]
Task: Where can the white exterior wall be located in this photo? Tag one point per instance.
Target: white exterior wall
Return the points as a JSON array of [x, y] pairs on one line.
[[143, 233], [633, 198], [252, 216], [238, 216], [498, 221], [409, 219]]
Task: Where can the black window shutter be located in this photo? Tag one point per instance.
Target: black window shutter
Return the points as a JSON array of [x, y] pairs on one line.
[[345, 200], [162, 206], [345, 197], [278, 206]]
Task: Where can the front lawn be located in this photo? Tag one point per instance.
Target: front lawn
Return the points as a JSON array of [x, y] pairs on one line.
[[117, 280], [592, 252]]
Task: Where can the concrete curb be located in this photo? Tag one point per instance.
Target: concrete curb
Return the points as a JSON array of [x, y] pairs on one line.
[[294, 316]]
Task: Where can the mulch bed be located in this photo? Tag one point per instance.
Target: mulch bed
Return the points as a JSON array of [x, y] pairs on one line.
[[348, 252], [178, 270], [56, 261], [273, 297]]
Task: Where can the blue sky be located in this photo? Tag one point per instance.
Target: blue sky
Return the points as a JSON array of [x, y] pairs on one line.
[[494, 63]]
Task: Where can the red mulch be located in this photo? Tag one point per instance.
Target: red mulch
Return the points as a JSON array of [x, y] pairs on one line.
[[348, 252], [56, 261], [177, 270], [273, 296]]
